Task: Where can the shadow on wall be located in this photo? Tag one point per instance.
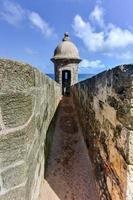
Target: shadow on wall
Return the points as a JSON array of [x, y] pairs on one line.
[[49, 140]]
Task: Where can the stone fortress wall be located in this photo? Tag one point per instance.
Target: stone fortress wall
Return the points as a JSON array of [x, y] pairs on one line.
[[105, 108], [28, 101]]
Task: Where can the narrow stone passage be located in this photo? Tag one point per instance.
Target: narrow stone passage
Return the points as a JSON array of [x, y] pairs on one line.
[[69, 175]]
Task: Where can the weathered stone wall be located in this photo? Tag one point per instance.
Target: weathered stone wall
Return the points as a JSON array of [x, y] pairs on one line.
[[28, 101], [105, 107]]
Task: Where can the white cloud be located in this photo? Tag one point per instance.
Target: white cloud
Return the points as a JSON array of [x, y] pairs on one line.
[[118, 38], [126, 55], [93, 40], [97, 15], [13, 13], [92, 64], [107, 39], [38, 22]]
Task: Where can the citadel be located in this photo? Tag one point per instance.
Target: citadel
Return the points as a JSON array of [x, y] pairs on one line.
[[64, 139]]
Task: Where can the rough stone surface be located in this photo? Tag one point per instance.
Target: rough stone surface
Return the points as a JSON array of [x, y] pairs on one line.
[[129, 194], [16, 109], [14, 176], [15, 194], [104, 104], [28, 102]]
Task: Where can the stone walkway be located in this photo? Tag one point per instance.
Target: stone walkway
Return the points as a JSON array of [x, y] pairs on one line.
[[69, 175]]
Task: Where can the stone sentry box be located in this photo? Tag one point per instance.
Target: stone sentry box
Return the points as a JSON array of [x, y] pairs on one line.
[[105, 107], [28, 101], [66, 59]]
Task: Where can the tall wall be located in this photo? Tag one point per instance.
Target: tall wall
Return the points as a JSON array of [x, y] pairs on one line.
[[28, 101], [105, 107]]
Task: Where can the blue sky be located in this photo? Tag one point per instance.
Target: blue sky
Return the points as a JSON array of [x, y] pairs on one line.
[[102, 30]]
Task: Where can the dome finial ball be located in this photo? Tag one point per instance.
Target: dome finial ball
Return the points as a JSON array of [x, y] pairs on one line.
[[66, 34]]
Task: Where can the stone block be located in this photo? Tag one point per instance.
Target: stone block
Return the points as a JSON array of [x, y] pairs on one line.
[[14, 176], [15, 76], [12, 148], [16, 109], [16, 194], [130, 148], [129, 193]]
